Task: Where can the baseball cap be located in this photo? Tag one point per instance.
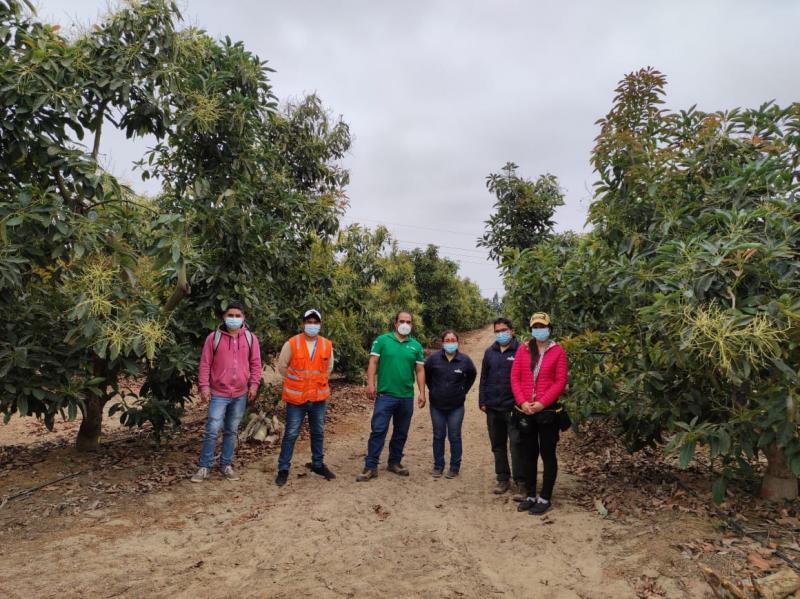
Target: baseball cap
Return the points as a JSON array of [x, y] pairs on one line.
[[540, 318], [312, 312]]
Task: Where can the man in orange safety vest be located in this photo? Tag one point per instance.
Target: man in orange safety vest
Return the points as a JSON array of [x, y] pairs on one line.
[[305, 363]]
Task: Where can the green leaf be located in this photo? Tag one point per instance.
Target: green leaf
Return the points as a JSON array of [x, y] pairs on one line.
[[686, 455], [718, 490]]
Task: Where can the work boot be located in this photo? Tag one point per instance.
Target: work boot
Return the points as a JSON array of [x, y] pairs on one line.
[[283, 476], [367, 474], [501, 487], [200, 475], [398, 469], [451, 473], [322, 471], [520, 493], [437, 472], [228, 473]]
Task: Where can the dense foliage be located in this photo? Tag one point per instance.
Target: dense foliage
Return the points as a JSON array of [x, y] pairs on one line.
[[101, 289], [682, 304]]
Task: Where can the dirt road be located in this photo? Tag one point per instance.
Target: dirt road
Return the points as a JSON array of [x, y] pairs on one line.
[[398, 537]]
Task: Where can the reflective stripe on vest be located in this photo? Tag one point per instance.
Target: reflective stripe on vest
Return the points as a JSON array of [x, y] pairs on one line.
[[306, 376]]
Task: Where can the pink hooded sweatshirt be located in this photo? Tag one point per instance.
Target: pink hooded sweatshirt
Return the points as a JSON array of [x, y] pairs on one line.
[[233, 368], [551, 380]]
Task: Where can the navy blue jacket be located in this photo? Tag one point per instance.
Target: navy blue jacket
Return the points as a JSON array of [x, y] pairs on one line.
[[449, 381], [495, 387]]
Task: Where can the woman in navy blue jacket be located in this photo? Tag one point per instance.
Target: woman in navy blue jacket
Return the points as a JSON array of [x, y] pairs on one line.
[[449, 375]]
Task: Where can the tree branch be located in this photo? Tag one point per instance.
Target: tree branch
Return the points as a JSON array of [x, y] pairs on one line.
[[98, 129], [182, 289]]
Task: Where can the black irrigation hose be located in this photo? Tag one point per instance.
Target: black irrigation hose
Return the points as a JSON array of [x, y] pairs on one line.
[[732, 523], [32, 490], [42, 486]]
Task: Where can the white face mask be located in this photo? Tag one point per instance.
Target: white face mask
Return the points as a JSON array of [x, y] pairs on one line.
[[404, 328]]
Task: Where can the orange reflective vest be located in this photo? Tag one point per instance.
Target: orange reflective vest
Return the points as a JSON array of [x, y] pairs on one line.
[[307, 376]]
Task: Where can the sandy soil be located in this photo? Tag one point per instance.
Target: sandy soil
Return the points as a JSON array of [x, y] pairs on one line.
[[393, 536]]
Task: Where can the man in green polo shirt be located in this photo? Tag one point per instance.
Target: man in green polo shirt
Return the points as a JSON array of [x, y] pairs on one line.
[[397, 359]]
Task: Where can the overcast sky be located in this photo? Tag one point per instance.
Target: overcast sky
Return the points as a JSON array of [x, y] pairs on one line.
[[439, 94]]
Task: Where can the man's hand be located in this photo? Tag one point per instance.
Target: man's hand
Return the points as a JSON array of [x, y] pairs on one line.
[[251, 393], [205, 395], [371, 392], [421, 401], [483, 408]]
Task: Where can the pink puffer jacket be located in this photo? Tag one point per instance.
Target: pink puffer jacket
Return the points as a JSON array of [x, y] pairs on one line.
[[551, 380]]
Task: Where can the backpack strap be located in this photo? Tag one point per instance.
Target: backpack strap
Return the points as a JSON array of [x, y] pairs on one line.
[[217, 337], [247, 335]]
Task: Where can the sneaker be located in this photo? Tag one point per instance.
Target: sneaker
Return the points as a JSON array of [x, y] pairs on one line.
[[501, 487], [367, 474], [540, 507], [437, 472], [451, 473], [322, 471], [283, 476], [228, 473], [398, 469], [200, 475], [520, 494], [527, 504]]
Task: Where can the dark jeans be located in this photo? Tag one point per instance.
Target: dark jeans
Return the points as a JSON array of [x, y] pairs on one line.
[[316, 424], [224, 413], [399, 410], [501, 435], [540, 439], [447, 423]]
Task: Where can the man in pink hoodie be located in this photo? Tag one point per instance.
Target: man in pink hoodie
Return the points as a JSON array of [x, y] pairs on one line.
[[229, 375]]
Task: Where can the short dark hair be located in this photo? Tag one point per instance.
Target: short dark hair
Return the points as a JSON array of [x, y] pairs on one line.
[[503, 320], [235, 305], [313, 317], [396, 316], [449, 332]]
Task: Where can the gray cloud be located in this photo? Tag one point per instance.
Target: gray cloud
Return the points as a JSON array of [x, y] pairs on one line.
[[441, 93]]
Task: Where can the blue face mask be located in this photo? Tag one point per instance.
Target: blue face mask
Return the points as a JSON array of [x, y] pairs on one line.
[[233, 323], [312, 330], [541, 334], [503, 338], [450, 348]]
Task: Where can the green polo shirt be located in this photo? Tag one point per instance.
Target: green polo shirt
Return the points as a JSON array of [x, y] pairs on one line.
[[397, 363]]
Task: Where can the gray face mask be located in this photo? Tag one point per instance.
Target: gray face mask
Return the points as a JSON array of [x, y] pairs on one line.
[[404, 328]]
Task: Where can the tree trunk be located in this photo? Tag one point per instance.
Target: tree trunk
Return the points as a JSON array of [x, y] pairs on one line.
[[779, 482], [91, 425]]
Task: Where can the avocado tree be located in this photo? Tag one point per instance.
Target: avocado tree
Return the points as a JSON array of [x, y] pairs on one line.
[[682, 303], [106, 287]]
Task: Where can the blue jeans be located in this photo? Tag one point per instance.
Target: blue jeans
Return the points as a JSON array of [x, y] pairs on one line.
[[398, 409], [227, 410], [447, 423], [294, 419]]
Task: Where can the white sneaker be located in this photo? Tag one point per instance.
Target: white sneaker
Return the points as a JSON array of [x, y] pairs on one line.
[[228, 473], [200, 475]]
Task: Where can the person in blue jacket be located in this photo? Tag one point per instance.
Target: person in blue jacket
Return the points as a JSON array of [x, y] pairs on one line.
[[496, 399], [449, 375]]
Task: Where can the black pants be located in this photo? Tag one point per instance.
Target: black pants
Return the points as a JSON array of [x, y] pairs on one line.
[[538, 440], [500, 434]]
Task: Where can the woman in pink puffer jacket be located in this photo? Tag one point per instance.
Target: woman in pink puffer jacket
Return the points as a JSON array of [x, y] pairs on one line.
[[538, 377]]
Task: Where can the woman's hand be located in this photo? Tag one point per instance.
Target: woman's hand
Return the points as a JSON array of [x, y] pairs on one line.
[[527, 407], [536, 407]]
